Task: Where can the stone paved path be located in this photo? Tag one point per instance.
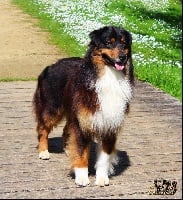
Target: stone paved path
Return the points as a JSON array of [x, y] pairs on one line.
[[149, 148]]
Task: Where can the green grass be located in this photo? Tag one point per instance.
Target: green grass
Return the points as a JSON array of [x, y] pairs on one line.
[[11, 79], [162, 77], [167, 78]]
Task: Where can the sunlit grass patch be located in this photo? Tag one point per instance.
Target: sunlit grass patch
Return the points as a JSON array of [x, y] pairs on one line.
[[155, 26], [169, 79]]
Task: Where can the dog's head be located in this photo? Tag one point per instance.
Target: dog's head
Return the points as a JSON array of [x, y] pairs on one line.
[[111, 46]]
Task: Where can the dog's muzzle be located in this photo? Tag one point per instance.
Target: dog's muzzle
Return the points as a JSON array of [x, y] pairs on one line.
[[118, 63]]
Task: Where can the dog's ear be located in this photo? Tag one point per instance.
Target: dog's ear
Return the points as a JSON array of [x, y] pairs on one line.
[[95, 38], [130, 70], [128, 38]]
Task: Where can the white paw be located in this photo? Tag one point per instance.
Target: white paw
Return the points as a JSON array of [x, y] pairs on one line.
[[44, 155], [81, 177], [102, 180], [102, 168]]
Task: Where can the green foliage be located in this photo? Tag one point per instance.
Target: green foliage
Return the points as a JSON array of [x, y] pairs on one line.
[[157, 46], [168, 79], [9, 79]]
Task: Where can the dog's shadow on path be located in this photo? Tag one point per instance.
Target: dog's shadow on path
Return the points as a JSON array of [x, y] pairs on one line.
[[56, 146], [122, 164]]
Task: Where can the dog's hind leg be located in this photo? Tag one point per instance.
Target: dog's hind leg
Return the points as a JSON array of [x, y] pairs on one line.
[[43, 142], [48, 108], [46, 122]]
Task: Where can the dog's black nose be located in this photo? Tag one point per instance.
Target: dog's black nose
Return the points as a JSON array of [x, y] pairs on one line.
[[122, 57]]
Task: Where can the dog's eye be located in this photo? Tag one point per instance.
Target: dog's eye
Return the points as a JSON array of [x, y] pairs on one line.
[[124, 44], [108, 42]]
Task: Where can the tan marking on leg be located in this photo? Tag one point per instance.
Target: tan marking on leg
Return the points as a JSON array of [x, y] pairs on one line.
[[77, 160], [79, 163], [43, 144]]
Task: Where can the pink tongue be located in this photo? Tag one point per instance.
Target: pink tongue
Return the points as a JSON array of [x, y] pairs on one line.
[[119, 67]]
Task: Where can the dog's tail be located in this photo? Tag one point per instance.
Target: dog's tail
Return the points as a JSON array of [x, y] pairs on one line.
[[42, 76], [38, 100]]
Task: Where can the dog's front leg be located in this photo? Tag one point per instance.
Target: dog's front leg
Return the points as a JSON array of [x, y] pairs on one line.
[[103, 163], [78, 148]]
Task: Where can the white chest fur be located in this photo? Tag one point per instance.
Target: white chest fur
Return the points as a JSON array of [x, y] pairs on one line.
[[113, 92]]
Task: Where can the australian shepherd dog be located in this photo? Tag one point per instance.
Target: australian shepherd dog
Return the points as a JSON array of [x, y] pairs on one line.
[[92, 94]]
